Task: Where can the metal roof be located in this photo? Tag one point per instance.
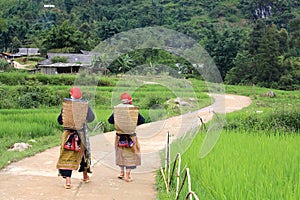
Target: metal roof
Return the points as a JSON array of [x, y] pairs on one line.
[[61, 65]]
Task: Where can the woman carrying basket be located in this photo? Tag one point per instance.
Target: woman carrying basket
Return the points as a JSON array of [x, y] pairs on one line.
[[127, 149], [75, 149]]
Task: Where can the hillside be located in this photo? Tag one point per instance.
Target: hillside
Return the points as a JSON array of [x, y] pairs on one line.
[[233, 32]]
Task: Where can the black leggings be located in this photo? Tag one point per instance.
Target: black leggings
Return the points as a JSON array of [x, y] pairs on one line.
[[128, 167], [65, 173]]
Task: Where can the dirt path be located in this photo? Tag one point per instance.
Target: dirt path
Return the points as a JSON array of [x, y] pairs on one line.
[[36, 178], [19, 66]]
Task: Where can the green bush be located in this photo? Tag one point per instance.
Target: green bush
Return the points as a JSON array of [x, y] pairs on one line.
[[13, 78], [271, 121], [3, 63], [6, 98], [153, 100], [29, 100], [34, 94], [104, 81], [57, 59], [36, 58], [21, 78], [55, 80]]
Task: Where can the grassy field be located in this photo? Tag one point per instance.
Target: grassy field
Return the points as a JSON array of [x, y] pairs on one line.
[[245, 165], [257, 155], [39, 126]]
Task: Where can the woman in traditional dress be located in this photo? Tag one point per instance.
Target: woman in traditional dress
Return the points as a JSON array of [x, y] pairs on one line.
[[75, 148], [127, 147]]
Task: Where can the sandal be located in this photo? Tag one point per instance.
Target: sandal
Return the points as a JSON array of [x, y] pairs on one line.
[[86, 180], [121, 176], [128, 179], [67, 186]]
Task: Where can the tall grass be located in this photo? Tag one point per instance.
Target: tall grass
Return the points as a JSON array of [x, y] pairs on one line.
[[38, 127], [245, 165], [257, 155]]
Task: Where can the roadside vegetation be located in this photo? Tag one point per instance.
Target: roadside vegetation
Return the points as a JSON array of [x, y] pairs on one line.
[[31, 103], [256, 156]]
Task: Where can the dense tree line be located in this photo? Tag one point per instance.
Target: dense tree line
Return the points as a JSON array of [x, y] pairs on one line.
[[251, 41]]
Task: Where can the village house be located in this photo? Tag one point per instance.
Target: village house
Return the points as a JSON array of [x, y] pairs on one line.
[[22, 52], [76, 62]]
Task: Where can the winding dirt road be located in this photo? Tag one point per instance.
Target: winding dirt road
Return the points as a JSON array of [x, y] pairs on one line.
[[36, 178]]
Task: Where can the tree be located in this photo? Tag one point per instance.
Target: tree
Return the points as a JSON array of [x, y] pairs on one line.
[[15, 45], [64, 36], [69, 5], [256, 35], [294, 39], [223, 44], [290, 79], [259, 63], [267, 67], [283, 41], [3, 34], [100, 63], [242, 70], [126, 63], [3, 25]]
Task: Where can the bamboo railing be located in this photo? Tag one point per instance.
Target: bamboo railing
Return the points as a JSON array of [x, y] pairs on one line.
[[170, 174]]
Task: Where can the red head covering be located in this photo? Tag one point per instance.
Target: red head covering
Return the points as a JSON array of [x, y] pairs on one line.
[[76, 93], [126, 98]]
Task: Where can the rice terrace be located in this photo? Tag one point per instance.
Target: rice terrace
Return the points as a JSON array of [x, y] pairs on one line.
[[256, 156], [213, 87]]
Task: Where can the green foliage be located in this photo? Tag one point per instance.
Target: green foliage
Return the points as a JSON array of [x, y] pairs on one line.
[[267, 55], [153, 100], [263, 62], [3, 63], [270, 122], [252, 160], [16, 44], [54, 80], [18, 78], [34, 94], [64, 36], [272, 9], [251, 151], [294, 40], [126, 62], [13, 78], [59, 59], [290, 79], [219, 25], [224, 39], [24, 125], [40, 122], [6, 98]]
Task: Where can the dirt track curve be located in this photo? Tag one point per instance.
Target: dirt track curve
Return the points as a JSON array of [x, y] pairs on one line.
[[36, 177]]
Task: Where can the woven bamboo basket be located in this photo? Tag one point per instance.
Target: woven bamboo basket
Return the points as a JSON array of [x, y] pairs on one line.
[[74, 113], [126, 119]]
